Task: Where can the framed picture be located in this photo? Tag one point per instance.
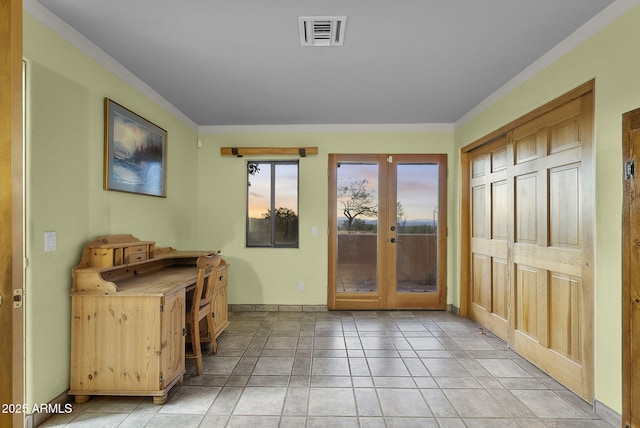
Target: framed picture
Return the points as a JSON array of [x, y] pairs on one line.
[[135, 152]]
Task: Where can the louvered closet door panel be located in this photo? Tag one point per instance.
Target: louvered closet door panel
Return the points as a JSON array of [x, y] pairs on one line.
[[530, 281], [490, 225]]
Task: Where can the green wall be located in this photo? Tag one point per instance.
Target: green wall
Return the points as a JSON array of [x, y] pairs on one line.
[[609, 57], [205, 207], [270, 276], [64, 166]]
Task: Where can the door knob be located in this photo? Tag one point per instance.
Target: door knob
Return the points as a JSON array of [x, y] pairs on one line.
[[392, 240], [393, 228]]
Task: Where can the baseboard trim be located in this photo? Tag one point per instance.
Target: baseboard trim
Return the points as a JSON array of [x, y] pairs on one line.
[[453, 309], [301, 308], [277, 308], [60, 404], [607, 413]]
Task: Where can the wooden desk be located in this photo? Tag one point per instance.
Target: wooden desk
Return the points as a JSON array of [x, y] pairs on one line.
[[128, 319], [160, 282]]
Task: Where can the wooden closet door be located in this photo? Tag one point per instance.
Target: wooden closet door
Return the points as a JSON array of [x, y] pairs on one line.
[[491, 223], [530, 273], [552, 274]]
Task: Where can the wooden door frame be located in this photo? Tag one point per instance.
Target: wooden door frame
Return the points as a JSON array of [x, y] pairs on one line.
[[385, 297], [11, 191], [629, 245]]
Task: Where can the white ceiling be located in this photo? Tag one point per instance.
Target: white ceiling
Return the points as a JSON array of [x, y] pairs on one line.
[[225, 62]]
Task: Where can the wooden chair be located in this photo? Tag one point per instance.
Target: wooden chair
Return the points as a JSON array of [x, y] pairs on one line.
[[200, 307]]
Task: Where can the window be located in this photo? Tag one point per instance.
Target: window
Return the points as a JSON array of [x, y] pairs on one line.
[[272, 204]]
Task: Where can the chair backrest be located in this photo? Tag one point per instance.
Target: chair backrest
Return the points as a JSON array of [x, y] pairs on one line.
[[207, 278]]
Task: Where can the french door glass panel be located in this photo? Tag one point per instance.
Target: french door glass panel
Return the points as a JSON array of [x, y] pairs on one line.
[[357, 227], [417, 228]]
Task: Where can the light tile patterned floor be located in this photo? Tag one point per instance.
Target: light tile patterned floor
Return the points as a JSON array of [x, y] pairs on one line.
[[351, 369]]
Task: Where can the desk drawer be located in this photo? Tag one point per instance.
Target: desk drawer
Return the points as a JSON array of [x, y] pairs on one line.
[[136, 253], [136, 258]]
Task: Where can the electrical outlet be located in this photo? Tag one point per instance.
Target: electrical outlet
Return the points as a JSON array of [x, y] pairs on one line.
[[300, 286]]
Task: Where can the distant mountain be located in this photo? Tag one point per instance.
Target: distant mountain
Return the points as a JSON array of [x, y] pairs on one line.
[[418, 222]]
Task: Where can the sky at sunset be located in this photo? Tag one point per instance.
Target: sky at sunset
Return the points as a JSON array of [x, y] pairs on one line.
[[417, 186], [286, 189]]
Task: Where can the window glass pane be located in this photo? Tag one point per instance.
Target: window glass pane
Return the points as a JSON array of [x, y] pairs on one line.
[[272, 204], [286, 204], [259, 204]]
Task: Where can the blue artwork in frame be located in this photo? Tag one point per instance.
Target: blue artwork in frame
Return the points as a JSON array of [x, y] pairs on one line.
[[135, 152]]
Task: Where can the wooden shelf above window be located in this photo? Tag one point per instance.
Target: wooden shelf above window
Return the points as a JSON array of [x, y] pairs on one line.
[[268, 151]]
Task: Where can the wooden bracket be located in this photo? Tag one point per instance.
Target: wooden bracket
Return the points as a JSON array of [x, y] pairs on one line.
[[268, 151]]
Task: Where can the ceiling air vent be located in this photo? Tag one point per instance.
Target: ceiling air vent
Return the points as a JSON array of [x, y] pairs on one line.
[[322, 30]]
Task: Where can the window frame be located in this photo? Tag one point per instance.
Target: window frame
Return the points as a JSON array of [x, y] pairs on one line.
[[273, 198]]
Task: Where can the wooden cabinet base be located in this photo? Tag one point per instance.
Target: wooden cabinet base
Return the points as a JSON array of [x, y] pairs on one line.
[[127, 345], [159, 397], [80, 399]]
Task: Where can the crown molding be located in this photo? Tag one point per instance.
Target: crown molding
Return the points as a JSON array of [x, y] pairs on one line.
[[274, 129], [588, 29], [64, 30]]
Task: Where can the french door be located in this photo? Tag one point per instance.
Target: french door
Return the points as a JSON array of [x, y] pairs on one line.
[[387, 231]]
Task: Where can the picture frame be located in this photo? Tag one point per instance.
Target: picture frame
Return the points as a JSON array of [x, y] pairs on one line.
[[135, 152]]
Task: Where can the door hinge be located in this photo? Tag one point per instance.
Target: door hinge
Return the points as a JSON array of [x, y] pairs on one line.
[[161, 307], [161, 381], [17, 298], [630, 169]]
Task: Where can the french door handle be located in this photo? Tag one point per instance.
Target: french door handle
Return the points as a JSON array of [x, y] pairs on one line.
[[392, 240]]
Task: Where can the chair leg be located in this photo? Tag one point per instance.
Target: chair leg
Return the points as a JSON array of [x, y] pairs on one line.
[[212, 333], [195, 343]]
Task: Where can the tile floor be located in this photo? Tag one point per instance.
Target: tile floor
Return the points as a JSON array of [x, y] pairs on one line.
[[351, 369]]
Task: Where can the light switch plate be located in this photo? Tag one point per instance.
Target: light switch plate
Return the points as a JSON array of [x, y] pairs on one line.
[[49, 241]]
